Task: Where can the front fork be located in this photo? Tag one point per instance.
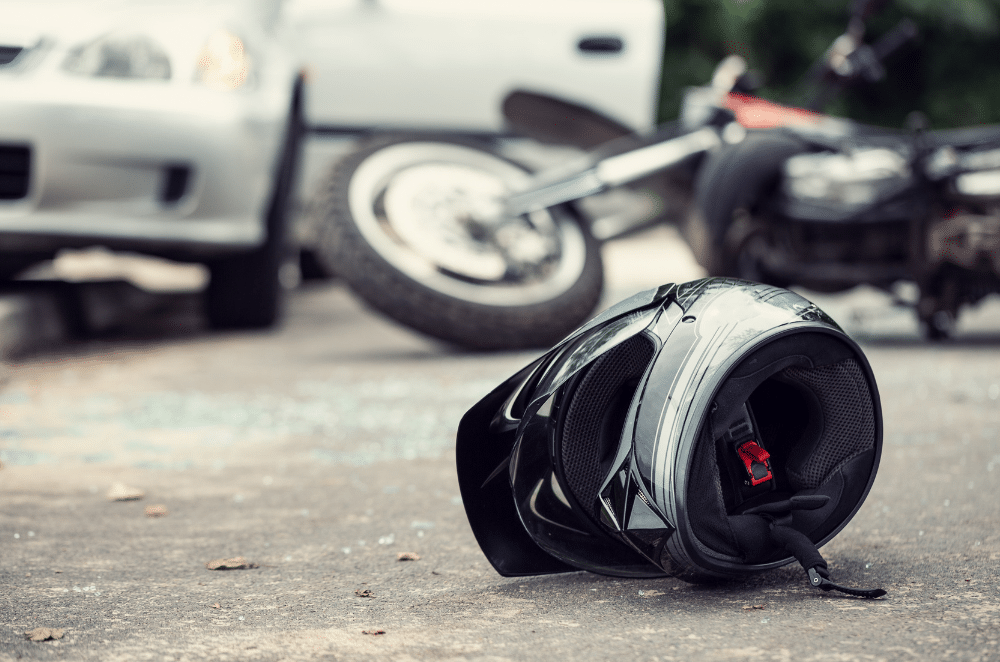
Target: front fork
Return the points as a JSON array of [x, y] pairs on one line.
[[549, 189]]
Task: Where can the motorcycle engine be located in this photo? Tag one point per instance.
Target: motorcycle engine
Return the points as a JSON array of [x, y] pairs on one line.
[[832, 185]]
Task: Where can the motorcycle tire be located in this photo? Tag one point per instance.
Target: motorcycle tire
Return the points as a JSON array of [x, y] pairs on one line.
[[729, 191], [402, 221]]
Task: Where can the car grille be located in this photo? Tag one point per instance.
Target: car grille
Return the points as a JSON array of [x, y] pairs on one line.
[[15, 166], [9, 53]]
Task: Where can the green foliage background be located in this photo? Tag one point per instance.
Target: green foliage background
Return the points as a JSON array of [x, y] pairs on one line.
[[951, 72]]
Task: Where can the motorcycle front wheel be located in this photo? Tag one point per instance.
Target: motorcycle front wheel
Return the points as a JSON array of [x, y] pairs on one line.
[[416, 226]]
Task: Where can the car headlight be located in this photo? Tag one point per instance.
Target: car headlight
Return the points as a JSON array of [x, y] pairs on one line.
[[119, 56], [223, 62]]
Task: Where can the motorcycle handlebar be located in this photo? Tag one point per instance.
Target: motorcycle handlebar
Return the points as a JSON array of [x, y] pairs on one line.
[[866, 60], [862, 9]]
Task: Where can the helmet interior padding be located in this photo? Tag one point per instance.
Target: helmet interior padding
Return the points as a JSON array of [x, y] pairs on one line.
[[813, 411], [592, 428]]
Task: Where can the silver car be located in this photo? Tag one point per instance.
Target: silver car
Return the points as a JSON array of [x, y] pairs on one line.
[[168, 128]]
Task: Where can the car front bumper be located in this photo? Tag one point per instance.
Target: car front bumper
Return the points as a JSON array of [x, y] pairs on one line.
[[140, 165]]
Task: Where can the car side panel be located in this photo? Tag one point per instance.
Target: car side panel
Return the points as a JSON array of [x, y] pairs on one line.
[[448, 64]]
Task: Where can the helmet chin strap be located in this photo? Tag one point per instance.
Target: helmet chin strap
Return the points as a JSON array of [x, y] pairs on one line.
[[779, 516]]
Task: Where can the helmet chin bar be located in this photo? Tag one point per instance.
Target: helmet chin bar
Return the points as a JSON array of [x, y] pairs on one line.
[[627, 511]]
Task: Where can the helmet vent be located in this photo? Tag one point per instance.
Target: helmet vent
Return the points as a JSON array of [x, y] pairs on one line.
[[848, 419], [596, 413]]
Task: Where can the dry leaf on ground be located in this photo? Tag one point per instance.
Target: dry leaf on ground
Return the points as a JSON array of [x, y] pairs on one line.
[[44, 634], [123, 492], [159, 510], [407, 556], [235, 563]]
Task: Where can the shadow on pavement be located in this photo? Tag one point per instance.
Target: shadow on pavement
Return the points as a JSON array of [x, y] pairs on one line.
[[44, 315]]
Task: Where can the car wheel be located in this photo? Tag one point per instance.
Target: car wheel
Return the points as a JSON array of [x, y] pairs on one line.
[[245, 291]]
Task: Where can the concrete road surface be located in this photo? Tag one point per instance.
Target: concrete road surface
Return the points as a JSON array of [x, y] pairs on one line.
[[321, 452]]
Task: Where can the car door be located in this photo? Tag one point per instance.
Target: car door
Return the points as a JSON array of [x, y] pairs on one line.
[[448, 64]]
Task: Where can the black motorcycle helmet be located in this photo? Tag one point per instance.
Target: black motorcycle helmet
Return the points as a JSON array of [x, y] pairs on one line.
[[703, 430]]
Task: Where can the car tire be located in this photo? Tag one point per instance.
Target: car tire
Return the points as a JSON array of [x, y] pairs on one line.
[[407, 272], [245, 291]]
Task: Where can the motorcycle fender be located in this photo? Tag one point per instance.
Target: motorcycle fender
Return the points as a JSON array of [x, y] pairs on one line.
[[552, 120]]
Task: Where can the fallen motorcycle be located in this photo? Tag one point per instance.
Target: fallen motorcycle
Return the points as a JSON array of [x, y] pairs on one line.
[[455, 240]]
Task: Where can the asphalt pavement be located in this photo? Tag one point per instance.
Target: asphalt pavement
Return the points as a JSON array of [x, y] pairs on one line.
[[322, 454]]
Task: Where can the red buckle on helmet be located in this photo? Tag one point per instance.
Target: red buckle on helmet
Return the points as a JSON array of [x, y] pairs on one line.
[[755, 460]]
